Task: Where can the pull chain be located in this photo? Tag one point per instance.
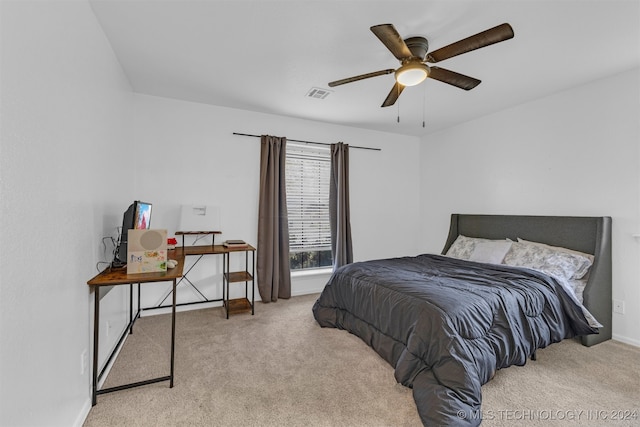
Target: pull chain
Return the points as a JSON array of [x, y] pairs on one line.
[[424, 96], [398, 101]]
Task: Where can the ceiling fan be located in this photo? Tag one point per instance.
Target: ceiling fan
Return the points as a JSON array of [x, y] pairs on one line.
[[413, 54]]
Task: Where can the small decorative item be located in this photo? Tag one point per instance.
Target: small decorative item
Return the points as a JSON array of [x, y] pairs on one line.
[[171, 243], [237, 244], [147, 251]]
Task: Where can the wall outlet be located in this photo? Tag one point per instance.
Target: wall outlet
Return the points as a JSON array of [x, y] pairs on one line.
[[84, 360], [618, 306]]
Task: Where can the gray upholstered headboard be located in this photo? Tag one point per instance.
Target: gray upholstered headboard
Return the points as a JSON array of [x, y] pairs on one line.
[[585, 234]]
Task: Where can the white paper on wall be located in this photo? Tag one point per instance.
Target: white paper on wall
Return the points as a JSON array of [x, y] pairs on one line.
[[199, 218]]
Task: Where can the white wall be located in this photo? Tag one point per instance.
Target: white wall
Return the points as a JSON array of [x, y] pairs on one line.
[[573, 153], [190, 156], [68, 114], [66, 111]]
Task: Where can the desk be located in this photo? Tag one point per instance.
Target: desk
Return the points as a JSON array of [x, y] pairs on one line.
[[231, 306], [119, 276]]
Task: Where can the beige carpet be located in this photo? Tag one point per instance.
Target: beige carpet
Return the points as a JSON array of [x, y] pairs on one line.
[[279, 368]]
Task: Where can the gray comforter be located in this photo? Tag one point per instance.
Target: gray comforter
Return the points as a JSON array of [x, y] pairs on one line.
[[447, 325]]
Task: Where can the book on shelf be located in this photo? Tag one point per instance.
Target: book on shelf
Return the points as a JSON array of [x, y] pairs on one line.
[[235, 244]]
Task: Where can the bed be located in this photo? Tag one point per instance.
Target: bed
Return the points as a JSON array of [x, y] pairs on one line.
[[447, 324]]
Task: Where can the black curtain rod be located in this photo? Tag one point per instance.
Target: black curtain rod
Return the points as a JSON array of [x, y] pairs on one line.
[[311, 142]]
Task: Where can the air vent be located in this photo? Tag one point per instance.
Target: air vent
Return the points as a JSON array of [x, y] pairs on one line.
[[316, 92]]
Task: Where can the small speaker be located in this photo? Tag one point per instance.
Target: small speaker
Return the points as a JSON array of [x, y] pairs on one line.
[[146, 251]]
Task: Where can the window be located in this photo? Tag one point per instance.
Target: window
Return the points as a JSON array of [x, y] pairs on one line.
[[308, 171]]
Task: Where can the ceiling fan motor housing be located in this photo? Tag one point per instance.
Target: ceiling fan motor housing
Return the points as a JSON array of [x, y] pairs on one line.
[[419, 46], [413, 71]]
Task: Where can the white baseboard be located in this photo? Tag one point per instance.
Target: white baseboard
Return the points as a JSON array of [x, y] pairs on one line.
[[307, 291], [84, 412], [626, 340], [189, 307]]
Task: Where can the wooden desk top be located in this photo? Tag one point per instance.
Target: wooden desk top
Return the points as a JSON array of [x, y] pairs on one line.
[[119, 276], [179, 252]]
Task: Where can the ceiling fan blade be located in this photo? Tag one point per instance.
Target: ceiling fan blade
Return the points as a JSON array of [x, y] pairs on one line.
[[453, 78], [392, 40], [361, 77], [493, 35], [395, 92]]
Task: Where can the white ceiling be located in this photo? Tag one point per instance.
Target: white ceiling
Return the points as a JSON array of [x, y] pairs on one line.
[[266, 55]]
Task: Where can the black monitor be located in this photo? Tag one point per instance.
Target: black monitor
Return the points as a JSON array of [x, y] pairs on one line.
[[137, 216]]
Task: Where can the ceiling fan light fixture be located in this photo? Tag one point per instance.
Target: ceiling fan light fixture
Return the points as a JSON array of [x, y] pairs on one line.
[[412, 73]]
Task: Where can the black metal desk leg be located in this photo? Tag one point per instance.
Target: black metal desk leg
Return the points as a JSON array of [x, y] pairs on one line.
[[226, 256], [173, 332], [246, 282], [130, 308], [224, 293], [96, 327]]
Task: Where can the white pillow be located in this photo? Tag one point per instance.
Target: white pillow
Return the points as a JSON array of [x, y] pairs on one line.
[[582, 260], [542, 258], [492, 252], [463, 247]]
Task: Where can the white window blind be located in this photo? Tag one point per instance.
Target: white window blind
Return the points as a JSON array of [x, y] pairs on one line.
[[308, 170]]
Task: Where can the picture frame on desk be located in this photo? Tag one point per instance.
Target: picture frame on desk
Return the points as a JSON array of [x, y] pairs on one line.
[[147, 251]]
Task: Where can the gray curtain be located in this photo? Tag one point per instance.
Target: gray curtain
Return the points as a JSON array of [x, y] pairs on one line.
[[272, 263], [341, 246]]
